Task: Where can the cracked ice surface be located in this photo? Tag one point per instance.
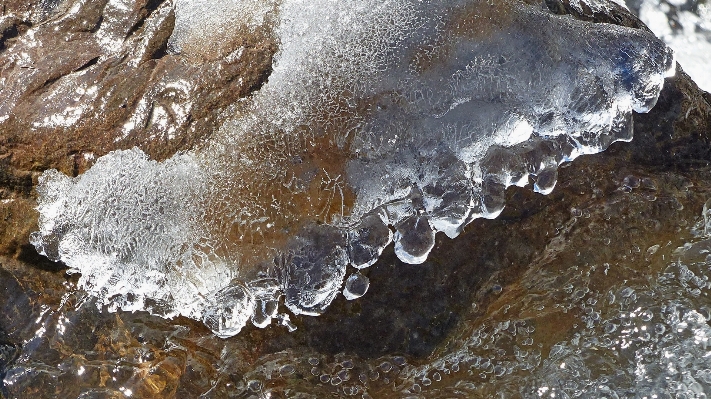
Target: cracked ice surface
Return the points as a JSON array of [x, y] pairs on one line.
[[382, 121]]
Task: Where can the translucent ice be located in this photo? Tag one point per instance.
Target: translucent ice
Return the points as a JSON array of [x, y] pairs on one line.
[[356, 286], [382, 121], [685, 25]]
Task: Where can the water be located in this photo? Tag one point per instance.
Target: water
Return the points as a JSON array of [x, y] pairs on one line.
[[585, 317]]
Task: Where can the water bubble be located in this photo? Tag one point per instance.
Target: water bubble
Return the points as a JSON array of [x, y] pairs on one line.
[[659, 328], [287, 370], [344, 375], [254, 385], [648, 184], [386, 367], [630, 182]]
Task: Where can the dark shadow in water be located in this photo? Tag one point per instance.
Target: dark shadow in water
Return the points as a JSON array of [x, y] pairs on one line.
[[29, 255], [412, 309]]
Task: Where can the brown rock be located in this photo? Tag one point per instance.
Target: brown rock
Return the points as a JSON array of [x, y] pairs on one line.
[[78, 84]]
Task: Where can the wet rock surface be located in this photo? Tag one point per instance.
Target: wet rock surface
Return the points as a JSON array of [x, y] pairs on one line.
[[609, 209], [80, 79]]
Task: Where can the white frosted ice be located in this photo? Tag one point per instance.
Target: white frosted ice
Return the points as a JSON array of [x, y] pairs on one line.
[[382, 121]]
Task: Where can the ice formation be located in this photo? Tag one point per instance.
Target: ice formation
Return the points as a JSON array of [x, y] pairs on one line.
[[685, 25], [383, 121]]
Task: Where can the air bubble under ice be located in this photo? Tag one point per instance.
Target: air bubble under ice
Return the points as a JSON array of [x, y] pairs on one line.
[[382, 121]]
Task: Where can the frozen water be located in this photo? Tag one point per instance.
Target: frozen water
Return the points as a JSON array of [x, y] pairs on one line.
[[414, 239], [381, 121], [356, 286], [367, 240], [685, 25]]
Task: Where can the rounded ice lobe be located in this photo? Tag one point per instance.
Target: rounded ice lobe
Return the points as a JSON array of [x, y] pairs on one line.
[[356, 286], [414, 239], [313, 271], [229, 310], [401, 116], [367, 240]]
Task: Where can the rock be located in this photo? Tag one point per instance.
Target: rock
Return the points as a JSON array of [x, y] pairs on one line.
[[80, 79], [612, 208]]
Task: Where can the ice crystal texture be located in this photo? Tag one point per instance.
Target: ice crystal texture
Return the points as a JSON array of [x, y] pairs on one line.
[[382, 121]]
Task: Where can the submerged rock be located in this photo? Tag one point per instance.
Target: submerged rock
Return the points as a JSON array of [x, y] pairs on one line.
[[527, 304]]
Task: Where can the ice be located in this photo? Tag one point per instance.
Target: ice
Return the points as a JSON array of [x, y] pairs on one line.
[[414, 239], [685, 25], [382, 121], [356, 286], [367, 240], [228, 310]]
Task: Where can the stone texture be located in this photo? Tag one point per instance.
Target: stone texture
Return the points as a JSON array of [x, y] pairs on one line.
[[82, 78]]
